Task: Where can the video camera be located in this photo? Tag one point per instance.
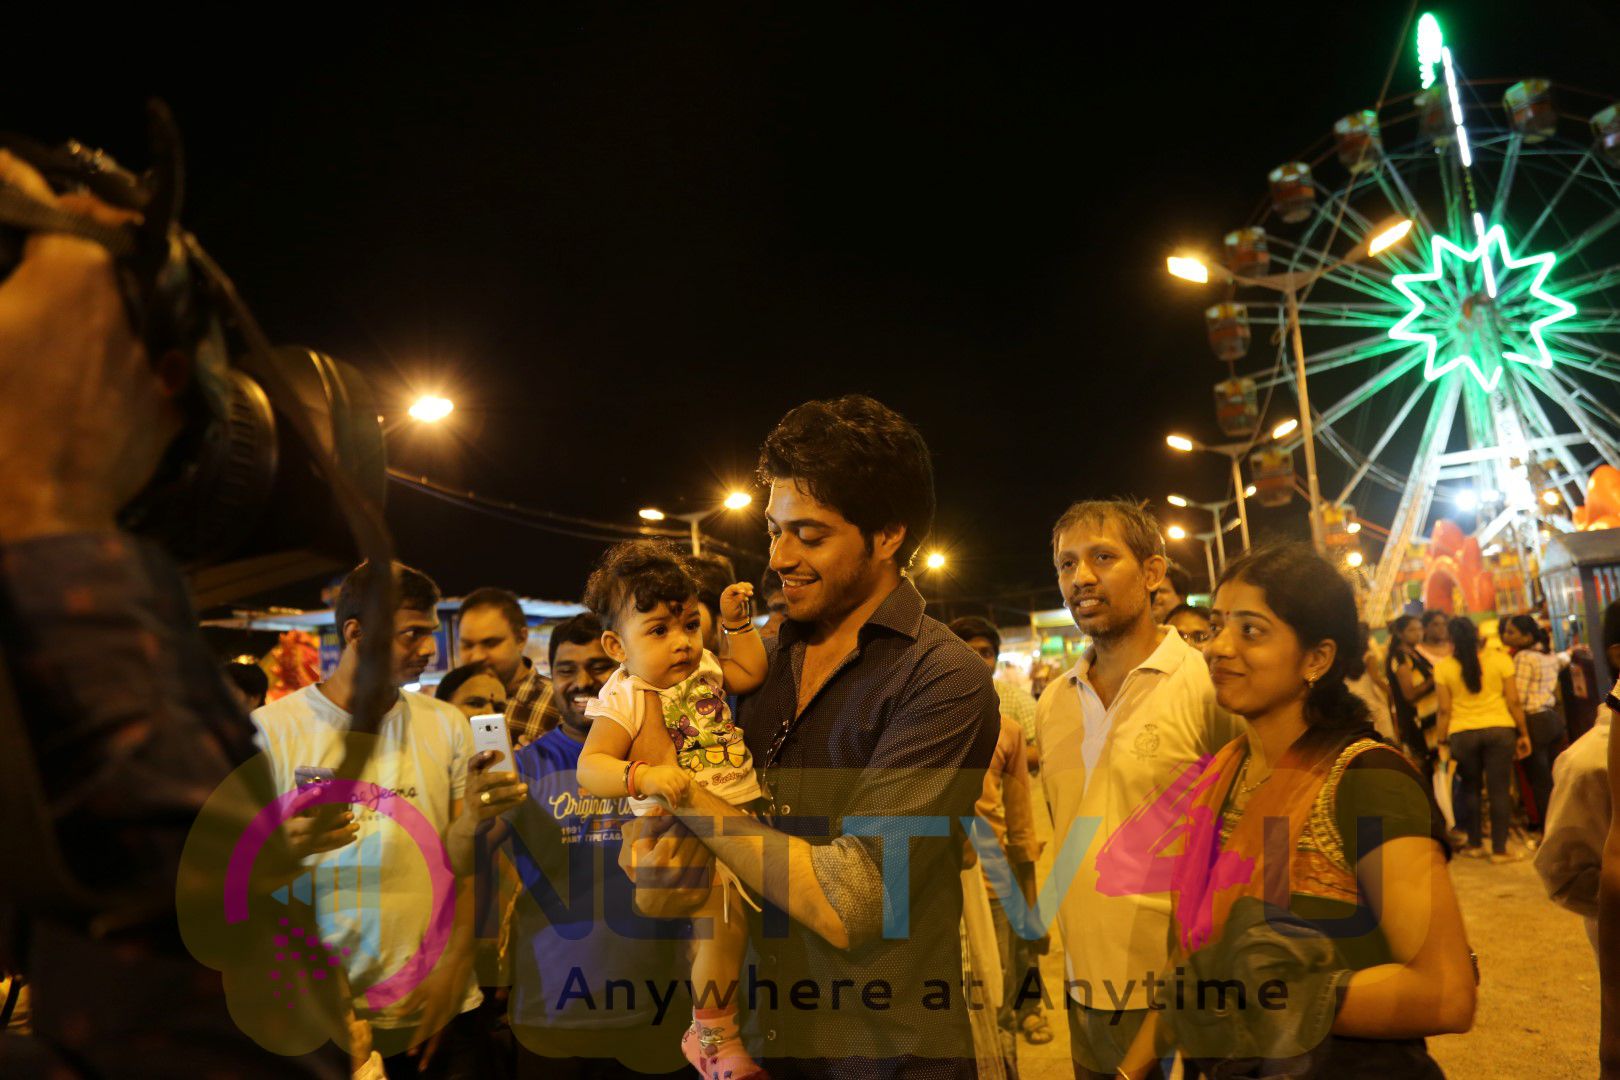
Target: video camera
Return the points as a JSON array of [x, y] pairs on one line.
[[244, 497], [277, 476]]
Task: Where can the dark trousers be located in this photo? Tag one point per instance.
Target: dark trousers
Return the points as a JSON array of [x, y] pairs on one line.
[[1485, 754], [1099, 1038], [1546, 741], [588, 1054], [1020, 971], [463, 1053]]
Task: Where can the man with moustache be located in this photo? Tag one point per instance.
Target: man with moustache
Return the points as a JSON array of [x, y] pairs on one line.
[[1135, 712], [422, 755], [872, 732]]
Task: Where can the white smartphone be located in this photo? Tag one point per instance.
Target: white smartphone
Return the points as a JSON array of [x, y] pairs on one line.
[[489, 733]]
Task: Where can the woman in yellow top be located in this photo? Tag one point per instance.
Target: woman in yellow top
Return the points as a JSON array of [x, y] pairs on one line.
[[1481, 725]]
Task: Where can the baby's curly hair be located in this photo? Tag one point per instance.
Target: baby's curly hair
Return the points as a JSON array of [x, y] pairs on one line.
[[638, 575]]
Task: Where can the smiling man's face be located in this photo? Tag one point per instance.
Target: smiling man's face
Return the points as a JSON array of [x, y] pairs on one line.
[[827, 567], [578, 673]]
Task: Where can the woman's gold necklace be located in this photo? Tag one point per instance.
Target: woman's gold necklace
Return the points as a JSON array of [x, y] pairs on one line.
[[1245, 788]]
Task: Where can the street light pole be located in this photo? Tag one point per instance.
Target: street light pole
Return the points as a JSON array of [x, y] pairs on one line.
[[1243, 505], [1305, 424], [1209, 559]]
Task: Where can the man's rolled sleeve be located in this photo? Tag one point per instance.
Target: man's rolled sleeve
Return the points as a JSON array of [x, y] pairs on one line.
[[853, 885], [1022, 845]]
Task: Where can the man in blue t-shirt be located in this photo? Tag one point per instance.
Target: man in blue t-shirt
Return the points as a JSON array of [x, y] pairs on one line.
[[598, 991]]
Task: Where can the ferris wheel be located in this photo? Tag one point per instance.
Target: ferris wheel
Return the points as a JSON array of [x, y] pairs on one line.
[[1474, 370]]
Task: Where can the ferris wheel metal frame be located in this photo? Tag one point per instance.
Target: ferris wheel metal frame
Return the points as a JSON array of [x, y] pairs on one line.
[[1465, 353]]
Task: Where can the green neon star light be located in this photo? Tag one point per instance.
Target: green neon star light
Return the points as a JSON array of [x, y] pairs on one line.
[[1465, 305]]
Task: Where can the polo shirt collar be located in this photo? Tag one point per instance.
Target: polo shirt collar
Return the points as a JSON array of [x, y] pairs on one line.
[[901, 612], [1171, 652]]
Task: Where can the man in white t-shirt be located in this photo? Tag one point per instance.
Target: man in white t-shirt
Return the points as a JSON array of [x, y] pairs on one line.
[[374, 897], [1134, 713]]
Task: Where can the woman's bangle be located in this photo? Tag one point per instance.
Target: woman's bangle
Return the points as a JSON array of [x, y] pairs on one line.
[[743, 629], [630, 779]]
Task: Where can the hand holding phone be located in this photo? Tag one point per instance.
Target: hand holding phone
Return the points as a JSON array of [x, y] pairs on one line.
[[493, 786], [320, 828]]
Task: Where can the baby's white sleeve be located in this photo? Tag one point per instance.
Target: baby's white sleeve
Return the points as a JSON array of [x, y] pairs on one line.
[[617, 702]]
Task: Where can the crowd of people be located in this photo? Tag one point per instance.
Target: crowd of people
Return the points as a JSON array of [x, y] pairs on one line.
[[712, 855]]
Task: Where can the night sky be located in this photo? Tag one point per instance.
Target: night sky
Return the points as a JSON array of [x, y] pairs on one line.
[[625, 239]]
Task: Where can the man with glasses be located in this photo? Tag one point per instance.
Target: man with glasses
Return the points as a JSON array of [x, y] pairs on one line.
[[1191, 623]]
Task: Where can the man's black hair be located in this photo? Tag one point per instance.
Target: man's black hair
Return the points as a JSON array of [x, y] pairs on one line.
[[581, 629], [862, 459], [454, 679], [715, 575], [416, 592], [249, 678], [503, 600], [1176, 576], [1190, 609], [969, 627], [639, 575]]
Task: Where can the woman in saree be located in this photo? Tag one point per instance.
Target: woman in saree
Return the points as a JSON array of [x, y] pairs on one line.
[[1314, 931]]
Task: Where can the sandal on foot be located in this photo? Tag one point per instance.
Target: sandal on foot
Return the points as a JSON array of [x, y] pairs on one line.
[[1036, 1030]]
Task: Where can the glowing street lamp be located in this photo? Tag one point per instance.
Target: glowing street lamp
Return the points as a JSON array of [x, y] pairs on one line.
[[430, 409], [1181, 442], [1176, 532], [427, 409], [1176, 500], [737, 500], [1285, 428], [1389, 237], [1353, 559], [1188, 268], [649, 514], [935, 560]]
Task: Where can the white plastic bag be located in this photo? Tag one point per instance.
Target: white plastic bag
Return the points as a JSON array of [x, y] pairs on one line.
[[1444, 771]]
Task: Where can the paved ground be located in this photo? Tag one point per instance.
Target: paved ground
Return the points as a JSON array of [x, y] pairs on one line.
[[1538, 1001]]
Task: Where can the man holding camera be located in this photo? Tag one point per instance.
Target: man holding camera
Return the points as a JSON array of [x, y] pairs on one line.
[[124, 717]]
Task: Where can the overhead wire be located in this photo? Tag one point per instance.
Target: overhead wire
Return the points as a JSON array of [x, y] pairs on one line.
[[580, 528]]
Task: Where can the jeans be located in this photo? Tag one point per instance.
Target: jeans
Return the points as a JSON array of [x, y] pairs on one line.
[[1546, 740], [1485, 753]]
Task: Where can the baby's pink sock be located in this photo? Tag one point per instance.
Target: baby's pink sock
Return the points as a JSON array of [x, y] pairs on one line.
[[713, 1047]]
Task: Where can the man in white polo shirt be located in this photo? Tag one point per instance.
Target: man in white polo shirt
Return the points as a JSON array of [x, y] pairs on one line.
[[1135, 712], [373, 893]]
